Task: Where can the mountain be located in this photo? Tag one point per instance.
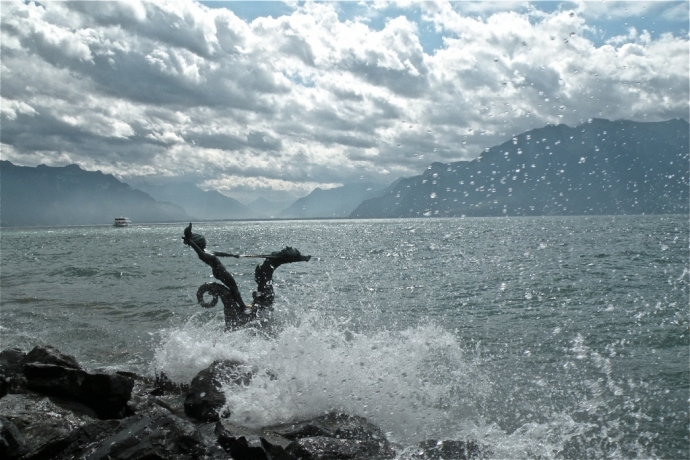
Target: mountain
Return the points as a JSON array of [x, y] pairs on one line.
[[200, 205], [600, 167], [335, 202], [68, 195], [264, 209]]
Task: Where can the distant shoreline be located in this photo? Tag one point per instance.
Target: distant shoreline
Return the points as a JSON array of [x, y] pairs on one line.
[[298, 219]]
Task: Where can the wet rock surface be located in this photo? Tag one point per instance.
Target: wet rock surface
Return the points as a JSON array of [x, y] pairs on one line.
[[205, 400], [53, 408]]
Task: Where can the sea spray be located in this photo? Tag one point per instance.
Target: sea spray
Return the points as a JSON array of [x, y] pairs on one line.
[[416, 383]]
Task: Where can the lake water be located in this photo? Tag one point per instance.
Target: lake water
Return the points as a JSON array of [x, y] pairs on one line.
[[540, 337]]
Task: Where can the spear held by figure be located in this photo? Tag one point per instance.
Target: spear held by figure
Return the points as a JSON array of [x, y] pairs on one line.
[[237, 313]]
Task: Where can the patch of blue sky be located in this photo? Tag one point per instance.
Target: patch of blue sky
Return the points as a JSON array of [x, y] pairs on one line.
[[300, 80], [376, 18], [657, 18], [250, 10], [605, 19]]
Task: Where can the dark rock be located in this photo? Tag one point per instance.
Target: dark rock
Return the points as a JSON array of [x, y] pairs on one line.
[[335, 435], [163, 385], [334, 425], [205, 401], [449, 449], [51, 355], [243, 442], [249, 448], [107, 394], [78, 441], [12, 360], [156, 435], [11, 378], [58, 417], [44, 422], [12, 442], [326, 448]]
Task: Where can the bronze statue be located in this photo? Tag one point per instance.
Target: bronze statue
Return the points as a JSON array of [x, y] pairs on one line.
[[237, 313]]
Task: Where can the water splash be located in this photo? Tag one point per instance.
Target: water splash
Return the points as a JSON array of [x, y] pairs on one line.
[[415, 383]]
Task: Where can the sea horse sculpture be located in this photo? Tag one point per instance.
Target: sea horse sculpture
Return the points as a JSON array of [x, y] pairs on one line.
[[235, 317], [237, 313]]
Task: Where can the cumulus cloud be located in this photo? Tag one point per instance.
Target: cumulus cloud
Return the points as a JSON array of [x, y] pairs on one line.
[[315, 98]]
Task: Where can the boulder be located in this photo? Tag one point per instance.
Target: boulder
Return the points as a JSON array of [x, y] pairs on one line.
[[205, 400], [12, 442], [243, 442], [46, 425], [12, 360], [65, 412], [107, 394], [326, 448], [158, 434], [51, 355], [333, 425], [335, 435], [11, 378], [457, 450]]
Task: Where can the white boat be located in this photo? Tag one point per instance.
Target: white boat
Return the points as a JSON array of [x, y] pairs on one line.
[[122, 222]]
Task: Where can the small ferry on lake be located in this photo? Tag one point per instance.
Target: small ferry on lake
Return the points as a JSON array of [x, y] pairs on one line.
[[122, 222]]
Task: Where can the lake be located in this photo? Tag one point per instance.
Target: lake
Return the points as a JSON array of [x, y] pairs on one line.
[[541, 337]]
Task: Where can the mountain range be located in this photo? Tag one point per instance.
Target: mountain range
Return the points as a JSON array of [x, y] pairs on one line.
[[332, 203], [600, 167], [199, 204], [68, 195]]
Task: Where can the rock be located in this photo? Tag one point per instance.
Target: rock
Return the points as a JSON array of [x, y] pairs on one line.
[[163, 385], [12, 442], [334, 425], [59, 415], [45, 423], [457, 450], [325, 448], [12, 360], [11, 378], [335, 435], [51, 372], [51, 355], [156, 435], [243, 442], [107, 394], [205, 401]]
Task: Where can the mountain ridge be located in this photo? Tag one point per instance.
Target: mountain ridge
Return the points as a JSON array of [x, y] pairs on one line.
[[68, 195], [600, 167], [338, 202]]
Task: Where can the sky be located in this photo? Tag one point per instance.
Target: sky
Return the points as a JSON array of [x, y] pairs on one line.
[[274, 99]]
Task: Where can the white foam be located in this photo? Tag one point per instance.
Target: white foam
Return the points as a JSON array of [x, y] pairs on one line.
[[416, 384]]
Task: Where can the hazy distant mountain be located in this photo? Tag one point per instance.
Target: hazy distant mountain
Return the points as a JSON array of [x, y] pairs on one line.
[[46, 196], [335, 202], [200, 205], [601, 167], [261, 208]]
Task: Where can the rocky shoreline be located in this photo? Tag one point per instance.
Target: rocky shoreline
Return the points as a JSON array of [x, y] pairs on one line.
[[53, 408]]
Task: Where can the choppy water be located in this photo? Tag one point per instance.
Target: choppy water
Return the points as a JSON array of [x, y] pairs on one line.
[[540, 337]]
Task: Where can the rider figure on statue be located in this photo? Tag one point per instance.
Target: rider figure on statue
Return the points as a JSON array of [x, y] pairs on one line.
[[237, 313]]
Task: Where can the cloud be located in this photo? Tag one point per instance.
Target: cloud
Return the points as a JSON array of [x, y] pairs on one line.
[[314, 97]]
